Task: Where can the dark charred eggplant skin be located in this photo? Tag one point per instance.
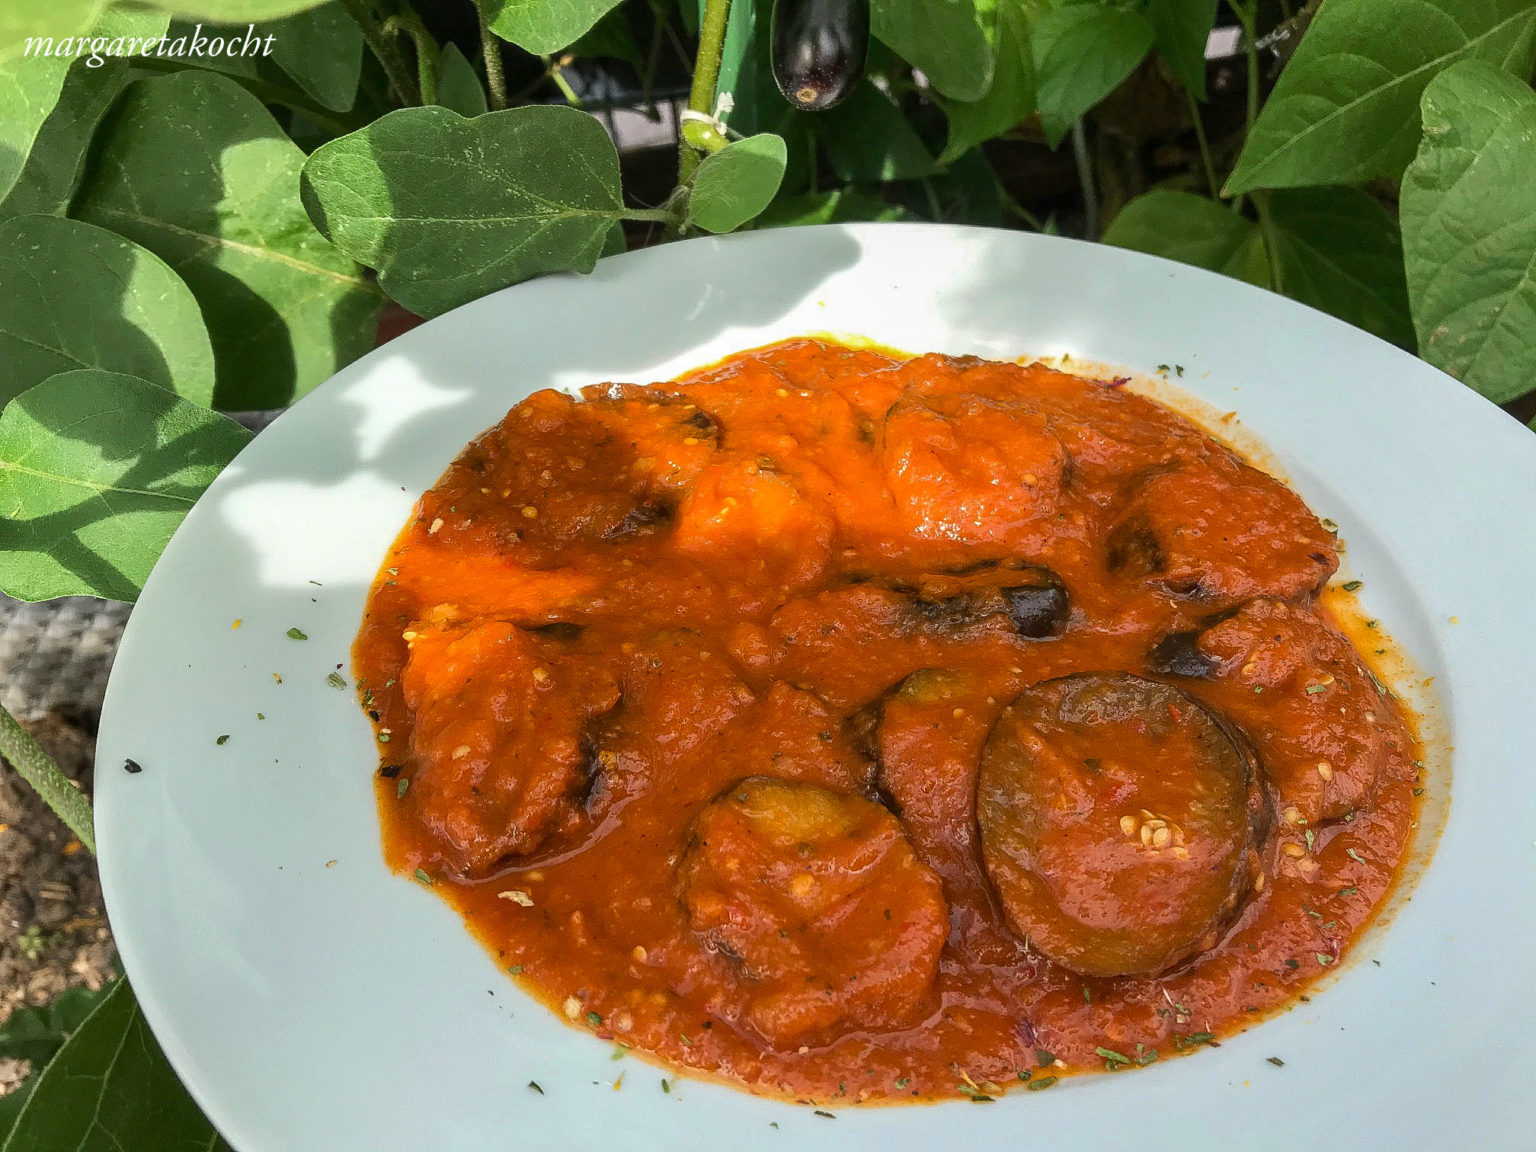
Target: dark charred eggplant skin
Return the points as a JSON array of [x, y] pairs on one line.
[[819, 49], [1038, 611], [1178, 654]]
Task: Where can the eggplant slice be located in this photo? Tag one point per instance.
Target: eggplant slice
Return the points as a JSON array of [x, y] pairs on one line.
[[820, 905], [1120, 822]]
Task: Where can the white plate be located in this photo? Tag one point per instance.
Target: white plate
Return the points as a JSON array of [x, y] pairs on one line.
[[316, 1008]]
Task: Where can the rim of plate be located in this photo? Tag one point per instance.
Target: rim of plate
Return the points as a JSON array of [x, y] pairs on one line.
[[333, 1006]]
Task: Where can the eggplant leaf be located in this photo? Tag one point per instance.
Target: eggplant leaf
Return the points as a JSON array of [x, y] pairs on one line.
[[232, 11], [1082, 53], [448, 209], [35, 1034], [458, 84], [97, 469], [942, 38], [29, 88], [322, 50], [869, 141], [195, 169], [1192, 230], [1469, 230], [51, 167], [544, 27], [1346, 108], [76, 296], [1011, 96], [1180, 30], [736, 183], [56, 19], [110, 1089], [836, 207], [1339, 251], [1336, 249]]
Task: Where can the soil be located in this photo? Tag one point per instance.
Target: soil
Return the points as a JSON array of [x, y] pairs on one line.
[[53, 929]]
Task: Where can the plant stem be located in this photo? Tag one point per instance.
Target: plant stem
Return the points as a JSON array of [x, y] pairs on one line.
[[656, 215], [555, 70], [1205, 145], [384, 47], [425, 48], [1267, 229], [38, 769], [706, 74], [490, 50], [1247, 17], [1085, 180]]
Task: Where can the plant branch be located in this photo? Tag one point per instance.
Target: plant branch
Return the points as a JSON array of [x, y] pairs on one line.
[[706, 74], [1271, 253], [38, 769], [490, 50], [1247, 17], [1085, 180], [1205, 145], [555, 70], [655, 215], [425, 48], [385, 49]]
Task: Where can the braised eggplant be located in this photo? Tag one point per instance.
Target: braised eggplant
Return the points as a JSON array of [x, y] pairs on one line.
[[1120, 822]]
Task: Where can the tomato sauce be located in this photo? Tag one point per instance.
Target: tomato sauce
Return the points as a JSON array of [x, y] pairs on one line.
[[682, 692]]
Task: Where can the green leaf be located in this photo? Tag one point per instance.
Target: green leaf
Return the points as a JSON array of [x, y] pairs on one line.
[[11, 1105], [736, 183], [322, 50], [969, 193], [53, 169], [195, 169], [1192, 230], [1346, 108], [1011, 96], [1339, 251], [612, 38], [614, 244], [544, 27], [837, 207], [1180, 29], [76, 296], [97, 469], [35, 1034], [868, 140], [738, 56], [448, 209], [232, 11], [941, 38], [29, 88], [1082, 53], [21, 19], [1469, 230], [458, 84], [1336, 249], [53, 165], [110, 1089]]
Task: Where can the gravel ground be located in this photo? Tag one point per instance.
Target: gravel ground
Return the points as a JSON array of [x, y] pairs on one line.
[[53, 930]]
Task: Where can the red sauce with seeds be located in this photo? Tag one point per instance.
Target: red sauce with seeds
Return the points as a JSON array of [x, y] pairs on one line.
[[683, 692]]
